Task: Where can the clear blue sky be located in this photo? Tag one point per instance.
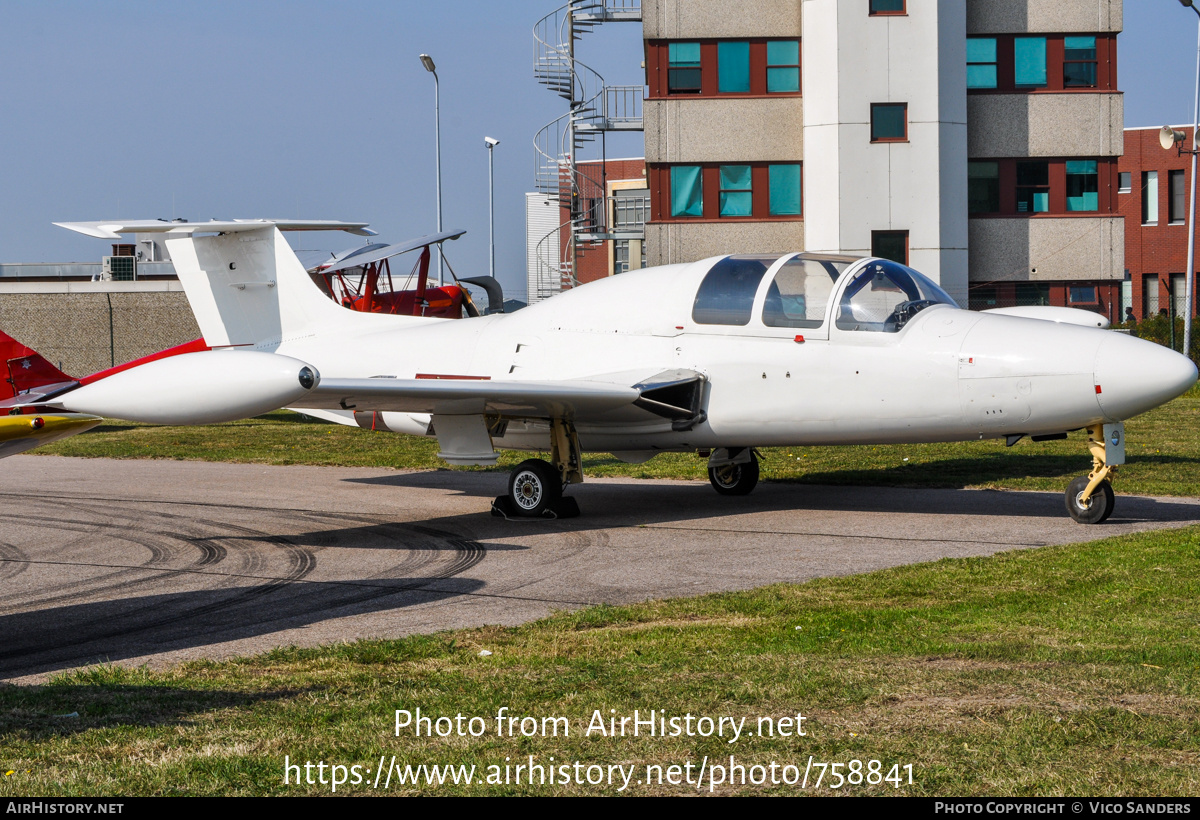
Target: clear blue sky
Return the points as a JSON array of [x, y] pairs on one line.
[[139, 109]]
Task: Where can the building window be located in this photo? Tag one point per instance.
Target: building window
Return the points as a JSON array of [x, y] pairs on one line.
[[1124, 182], [1175, 205], [1178, 294], [1033, 187], [747, 191], [981, 62], [733, 67], [783, 67], [1007, 63], [1028, 293], [683, 70], [785, 189], [889, 122], [891, 245], [1079, 62], [737, 191], [983, 187], [1083, 185], [687, 191], [884, 7], [1149, 295], [711, 68], [1149, 197], [1029, 62], [1082, 295]]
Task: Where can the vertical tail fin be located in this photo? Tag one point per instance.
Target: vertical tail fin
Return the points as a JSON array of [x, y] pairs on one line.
[[22, 368], [248, 287]]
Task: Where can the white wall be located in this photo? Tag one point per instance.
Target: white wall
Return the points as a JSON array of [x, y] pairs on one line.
[[854, 187]]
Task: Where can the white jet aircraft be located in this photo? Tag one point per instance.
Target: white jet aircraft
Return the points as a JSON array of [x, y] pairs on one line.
[[719, 356]]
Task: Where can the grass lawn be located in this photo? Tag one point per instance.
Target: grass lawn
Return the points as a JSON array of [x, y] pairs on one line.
[[1064, 670]]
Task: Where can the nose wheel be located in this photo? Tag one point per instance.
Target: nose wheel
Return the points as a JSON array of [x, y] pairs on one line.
[[1090, 498], [1096, 508]]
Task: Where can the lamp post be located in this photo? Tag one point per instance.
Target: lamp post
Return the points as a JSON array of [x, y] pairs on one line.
[[491, 143], [1190, 275], [427, 61]]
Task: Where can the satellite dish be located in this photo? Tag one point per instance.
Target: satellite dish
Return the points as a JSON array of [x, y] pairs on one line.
[[1168, 137]]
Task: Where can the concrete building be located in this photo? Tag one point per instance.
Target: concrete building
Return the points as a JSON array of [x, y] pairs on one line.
[[1153, 189], [976, 141]]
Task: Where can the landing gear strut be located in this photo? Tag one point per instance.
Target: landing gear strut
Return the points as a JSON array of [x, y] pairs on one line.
[[1090, 498], [535, 487]]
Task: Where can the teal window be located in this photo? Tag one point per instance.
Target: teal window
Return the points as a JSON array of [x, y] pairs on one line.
[[737, 196], [1033, 187], [1029, 55], [983, 187], [887, 7], [783, 66], [1083, 185], [981, 62], [785, 189], [687, 191], [1079, 62], [733, 68], [683, 69], [889, 122]]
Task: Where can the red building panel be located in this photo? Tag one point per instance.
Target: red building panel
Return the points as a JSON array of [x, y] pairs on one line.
[[1155, 237]]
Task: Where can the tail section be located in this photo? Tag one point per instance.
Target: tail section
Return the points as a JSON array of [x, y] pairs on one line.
[[243, 281], [248, 288], [25, 369]]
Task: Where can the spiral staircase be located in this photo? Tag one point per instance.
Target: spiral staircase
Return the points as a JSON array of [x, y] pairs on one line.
[[594, 107]]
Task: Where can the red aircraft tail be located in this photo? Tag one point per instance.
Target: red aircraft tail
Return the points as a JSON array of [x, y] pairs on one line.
[[23, 368]]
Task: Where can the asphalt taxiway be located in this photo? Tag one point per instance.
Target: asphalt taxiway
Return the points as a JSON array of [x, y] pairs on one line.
[[157, 562]]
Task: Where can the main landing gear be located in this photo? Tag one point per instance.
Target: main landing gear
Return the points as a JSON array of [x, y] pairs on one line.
[[733, 472], [1090, 498], [535, 487]]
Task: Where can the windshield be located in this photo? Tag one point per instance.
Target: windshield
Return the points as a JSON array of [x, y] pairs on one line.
[[885, 295]]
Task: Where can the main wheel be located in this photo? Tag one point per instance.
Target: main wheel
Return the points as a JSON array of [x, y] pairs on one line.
[[1097, 509], [735, 479], [534, 487]]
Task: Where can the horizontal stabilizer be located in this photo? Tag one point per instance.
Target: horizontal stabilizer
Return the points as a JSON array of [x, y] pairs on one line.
[[471, 396], [114, 228]]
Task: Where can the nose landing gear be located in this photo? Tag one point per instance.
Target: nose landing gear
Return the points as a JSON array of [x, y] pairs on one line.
[[1090, 498]]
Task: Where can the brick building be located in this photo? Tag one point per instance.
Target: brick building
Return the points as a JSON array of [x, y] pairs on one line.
[[1152, 194]]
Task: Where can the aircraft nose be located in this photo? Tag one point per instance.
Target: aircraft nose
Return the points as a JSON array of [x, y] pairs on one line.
[[1134, 375]]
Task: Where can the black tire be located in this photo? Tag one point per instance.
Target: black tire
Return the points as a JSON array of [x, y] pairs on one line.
[[534, 487], [1099, 506], [735, 479]]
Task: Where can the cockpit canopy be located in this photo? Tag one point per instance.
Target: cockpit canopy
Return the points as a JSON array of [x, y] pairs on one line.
[[881, 296], [884, 295]]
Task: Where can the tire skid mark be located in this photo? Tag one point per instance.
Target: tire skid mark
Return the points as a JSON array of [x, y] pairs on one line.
[[421, 552], [161, 546], [12, 561]]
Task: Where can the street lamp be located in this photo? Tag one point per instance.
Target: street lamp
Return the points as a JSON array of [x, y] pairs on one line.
[[1189, 274], [491, 143], [427, 61]]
